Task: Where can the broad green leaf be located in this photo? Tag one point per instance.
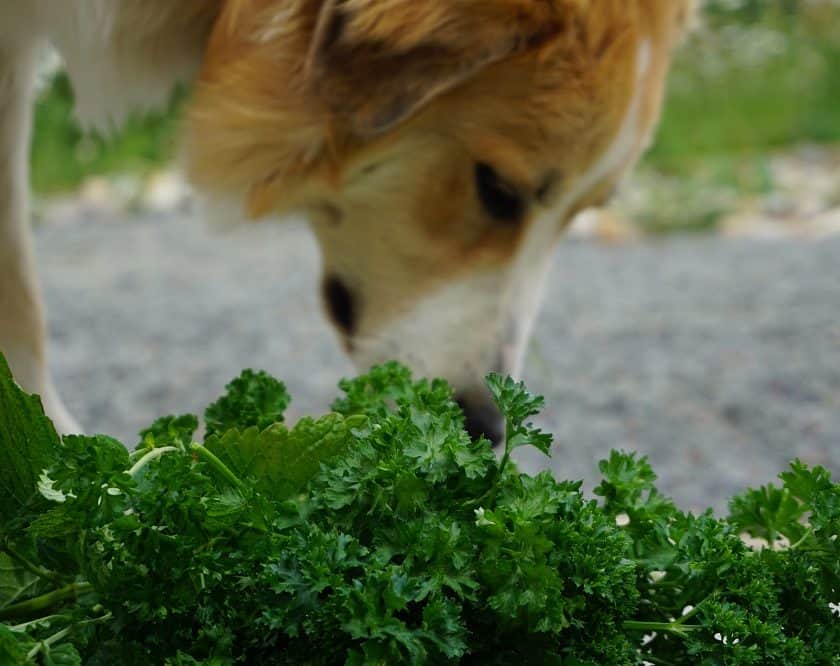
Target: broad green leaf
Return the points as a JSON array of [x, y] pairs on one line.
[[281, 460], [62, 655], [13, 646], [28, 443], [59, 521], [16, 583]]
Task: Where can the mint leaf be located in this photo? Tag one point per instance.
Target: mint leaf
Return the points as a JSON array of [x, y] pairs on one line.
[[254, 399], [13, 646], [15, 581], [282, 461], [62, 655], [28, 443]]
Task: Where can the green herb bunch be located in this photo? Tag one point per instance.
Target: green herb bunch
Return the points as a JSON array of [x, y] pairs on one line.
[[382, 534]]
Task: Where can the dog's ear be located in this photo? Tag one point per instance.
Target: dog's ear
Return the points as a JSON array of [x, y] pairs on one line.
[[376, 62]]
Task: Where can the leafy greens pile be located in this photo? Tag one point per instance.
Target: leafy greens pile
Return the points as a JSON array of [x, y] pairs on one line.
[[381, 534]]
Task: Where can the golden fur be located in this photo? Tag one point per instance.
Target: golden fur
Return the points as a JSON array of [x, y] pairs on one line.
[[371, 117], [530, 86]]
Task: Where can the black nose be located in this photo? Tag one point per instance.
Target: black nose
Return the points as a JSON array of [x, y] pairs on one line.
[[482, 418]]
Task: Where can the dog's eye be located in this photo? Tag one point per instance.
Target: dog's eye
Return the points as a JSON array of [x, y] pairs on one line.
[[498, 198]]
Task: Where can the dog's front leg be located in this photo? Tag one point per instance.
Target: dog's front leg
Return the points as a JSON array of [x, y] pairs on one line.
[[22, 327]]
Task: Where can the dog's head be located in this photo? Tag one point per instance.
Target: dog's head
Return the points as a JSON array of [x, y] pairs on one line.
[[438, 148]]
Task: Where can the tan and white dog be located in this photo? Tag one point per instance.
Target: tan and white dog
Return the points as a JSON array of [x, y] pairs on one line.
[[438, 147]]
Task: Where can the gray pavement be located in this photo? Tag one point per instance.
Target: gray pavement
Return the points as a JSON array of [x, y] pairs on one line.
[[719, 359]]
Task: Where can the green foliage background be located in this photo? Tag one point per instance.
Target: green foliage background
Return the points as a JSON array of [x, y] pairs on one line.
[[758, 75]]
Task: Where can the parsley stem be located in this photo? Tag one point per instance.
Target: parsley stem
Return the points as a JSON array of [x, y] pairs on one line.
[[29, 566], [657, 661], [196, 448], [690, 614], [138, 453], [504, 462], [677, 626], [670, 627], [64, 632], [666, 583], [30, 656], [509, 432], [72, 591], [41, 620], [490, 495], [154, 454], [217, 464], [799, 542]]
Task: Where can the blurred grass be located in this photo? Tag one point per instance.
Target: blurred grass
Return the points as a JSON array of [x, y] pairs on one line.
[[752, 83], [63, 156], [759, 76]]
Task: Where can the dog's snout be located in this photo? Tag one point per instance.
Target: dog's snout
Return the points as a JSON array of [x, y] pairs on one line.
[[482, 418]]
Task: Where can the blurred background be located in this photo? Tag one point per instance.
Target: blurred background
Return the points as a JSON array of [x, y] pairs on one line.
[[701, 326], [751, 125]]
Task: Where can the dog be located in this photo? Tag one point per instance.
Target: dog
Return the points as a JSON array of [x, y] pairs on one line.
[[438, 148]]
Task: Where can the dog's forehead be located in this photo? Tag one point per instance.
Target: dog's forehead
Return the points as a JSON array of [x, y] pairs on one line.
[[570, 92], [562, 101], [540, 134]]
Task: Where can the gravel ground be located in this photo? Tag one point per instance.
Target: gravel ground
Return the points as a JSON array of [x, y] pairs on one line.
[[719, 359]]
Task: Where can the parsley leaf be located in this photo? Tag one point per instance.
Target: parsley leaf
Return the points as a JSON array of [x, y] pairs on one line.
[[517, 404], [252, 399], [382, 534], [28, 442]]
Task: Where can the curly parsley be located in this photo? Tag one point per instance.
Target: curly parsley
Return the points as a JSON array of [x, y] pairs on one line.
[[382, 533]]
